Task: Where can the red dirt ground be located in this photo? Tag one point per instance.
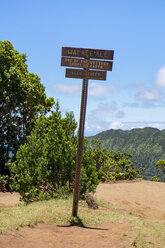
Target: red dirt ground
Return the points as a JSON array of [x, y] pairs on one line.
[[141, 198]]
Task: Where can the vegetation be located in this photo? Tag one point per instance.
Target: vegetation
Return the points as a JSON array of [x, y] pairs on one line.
[[38, 151], [45, 164], [143, 232], [38, 154], [22, 100], [3, 182], [113, 165], [155, 179], [146, 145], [161, 165]]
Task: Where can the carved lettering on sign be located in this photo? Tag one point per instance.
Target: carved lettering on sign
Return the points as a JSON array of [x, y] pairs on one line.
[[88, 64], [87, 53], [89, 74]]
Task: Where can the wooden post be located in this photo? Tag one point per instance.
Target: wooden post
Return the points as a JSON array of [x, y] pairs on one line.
[[76, 60], [80, 146]]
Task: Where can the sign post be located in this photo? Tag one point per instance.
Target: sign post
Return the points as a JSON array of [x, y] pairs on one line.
[[85, 74], [80, 146]]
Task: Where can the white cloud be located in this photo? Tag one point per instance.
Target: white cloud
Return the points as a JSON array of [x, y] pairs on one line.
[[152, 96], [92, 128], [132, 125], [149, 94], [106, 111], [102, 117], [68, 88], [160, 80], [94, 89], [116, 125]]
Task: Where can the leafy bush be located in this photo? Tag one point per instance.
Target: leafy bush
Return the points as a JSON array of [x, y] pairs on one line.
[[89, 175], [4, 180], [161, 165], [155, 179], [118, 167], [45, 162], [113, 165], [45, 165]]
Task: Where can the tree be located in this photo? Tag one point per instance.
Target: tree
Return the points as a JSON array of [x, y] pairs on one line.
[[118, 166], [161, 165], [45, 163], [101, 155], [22, 100], [89, 175], [113, 165]]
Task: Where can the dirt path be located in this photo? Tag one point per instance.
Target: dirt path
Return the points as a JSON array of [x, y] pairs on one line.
[[141, 198], [52, 236], [9, 199], [145, 199]]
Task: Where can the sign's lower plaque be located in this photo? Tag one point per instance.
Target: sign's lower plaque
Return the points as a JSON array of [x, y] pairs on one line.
[[88, 64], [89, 74]]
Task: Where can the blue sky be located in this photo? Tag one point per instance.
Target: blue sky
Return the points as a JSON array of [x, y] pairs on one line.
[[133, 95]]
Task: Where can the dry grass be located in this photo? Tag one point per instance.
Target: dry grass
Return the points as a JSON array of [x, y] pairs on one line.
[[145, 233]]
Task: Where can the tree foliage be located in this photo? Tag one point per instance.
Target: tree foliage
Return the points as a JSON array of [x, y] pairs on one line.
[[22, 100], [41, 149], [89, 174], [113, 165], [45, 165], [45, 162], [146, 145], [161, 165]]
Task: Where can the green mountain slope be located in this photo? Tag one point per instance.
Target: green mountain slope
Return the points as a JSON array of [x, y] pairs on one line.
[[147, 146]]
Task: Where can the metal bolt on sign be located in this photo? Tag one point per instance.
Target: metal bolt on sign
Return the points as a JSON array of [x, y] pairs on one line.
[[85, 74]]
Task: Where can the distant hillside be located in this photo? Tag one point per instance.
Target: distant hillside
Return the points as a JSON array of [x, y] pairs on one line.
[[147, 146]]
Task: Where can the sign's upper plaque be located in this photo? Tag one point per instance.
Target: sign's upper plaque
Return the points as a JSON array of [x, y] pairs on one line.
[[87, 53], [88, 64]]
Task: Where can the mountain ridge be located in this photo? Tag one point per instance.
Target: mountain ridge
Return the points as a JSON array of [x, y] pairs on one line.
[[147, 146]]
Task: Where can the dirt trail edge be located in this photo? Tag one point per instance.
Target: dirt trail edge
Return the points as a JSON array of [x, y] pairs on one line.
[[141, 198]]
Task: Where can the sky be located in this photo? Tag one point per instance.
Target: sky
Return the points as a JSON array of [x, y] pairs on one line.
[[133, 96]]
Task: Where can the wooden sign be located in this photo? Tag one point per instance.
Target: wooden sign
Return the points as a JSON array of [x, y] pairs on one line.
[[88, 64], [89, 74], [81, 58], [87, 53]]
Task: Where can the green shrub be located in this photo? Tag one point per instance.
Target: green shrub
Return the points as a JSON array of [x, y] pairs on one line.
[[155, 179], [161, 165], [4, 180], [89, 175], [45, 165], [118, 166]]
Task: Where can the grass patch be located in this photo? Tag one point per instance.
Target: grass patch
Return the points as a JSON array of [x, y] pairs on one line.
[[144, 233], [52, 211], [55, 211], [140, 242]]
